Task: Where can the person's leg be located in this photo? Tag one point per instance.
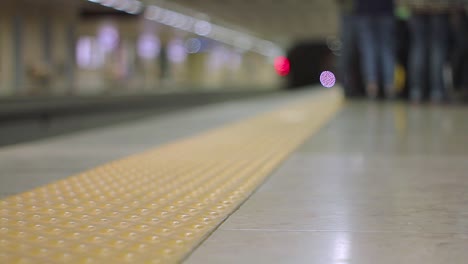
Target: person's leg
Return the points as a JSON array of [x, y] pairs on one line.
[[418, 28], [439, 39], [367, 47], [386, 27], [346, 58], [463, 47], [464, 78], [458, 53]]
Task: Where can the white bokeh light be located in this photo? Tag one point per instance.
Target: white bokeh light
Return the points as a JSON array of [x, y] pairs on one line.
[[203, 28]]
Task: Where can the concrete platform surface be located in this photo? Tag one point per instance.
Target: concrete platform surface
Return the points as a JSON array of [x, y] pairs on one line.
[[382, 183], [32, 164]]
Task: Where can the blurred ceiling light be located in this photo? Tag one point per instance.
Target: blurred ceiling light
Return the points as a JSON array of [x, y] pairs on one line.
[[243, 42], [108, 3], [165, 17], [177, 19], [135, 8], [188, 24], [216, 32], [153, 12], [193, 45], [123, 4], [129, 6], [181, 21], [197, 24], [265, 45], [203, 28]]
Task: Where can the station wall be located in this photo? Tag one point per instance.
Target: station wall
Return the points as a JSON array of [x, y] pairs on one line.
[[48, 48]]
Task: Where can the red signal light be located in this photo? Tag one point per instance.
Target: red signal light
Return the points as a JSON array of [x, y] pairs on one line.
[[282, 66]]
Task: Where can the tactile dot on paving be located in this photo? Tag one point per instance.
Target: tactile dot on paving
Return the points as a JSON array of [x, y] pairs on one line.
[[155, 207]]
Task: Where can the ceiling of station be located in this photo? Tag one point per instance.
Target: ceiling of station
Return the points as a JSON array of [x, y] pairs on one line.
[[282, 21]]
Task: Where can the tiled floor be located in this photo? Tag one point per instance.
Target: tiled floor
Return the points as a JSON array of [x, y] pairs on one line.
[[382, 183], [157, 206]]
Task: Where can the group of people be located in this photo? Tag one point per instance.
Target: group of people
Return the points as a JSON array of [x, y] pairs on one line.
[[438, 34]]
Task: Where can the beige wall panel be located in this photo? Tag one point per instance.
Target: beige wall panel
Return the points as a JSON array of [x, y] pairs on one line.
[[7, 13], [32, 53], [33, 14], [6, 60], [59, 55]]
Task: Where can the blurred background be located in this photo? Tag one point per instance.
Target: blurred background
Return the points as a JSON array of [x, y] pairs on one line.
[[384, 171], [73, 57], [91, 47], [80, 47], [71, 64]]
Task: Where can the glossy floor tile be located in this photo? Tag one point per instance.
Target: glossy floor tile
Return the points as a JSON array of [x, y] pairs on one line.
[[260, 246], [382, 183]]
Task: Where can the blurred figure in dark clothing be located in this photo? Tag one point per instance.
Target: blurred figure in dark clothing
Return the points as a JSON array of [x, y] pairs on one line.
[[348, 37], [460, 54], [376, 31], [429, 33]]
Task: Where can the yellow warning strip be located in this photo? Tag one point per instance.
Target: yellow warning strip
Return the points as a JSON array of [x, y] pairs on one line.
[[156, 207]]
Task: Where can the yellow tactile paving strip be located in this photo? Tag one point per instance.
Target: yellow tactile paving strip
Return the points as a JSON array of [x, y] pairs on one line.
[[157, 206]]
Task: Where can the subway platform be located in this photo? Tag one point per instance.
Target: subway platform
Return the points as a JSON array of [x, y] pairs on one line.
[[303, 177]]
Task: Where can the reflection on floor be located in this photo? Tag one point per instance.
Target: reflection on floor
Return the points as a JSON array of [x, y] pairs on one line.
[[382, 183]]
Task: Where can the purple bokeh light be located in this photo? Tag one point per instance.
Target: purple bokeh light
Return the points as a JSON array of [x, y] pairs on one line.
[[327, 78], [176, 52], [88, 53], [149, 46], [108, 37]]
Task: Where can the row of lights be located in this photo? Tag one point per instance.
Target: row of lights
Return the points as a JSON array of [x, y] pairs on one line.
[[128, 6], [201, 27], [205, 28]]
